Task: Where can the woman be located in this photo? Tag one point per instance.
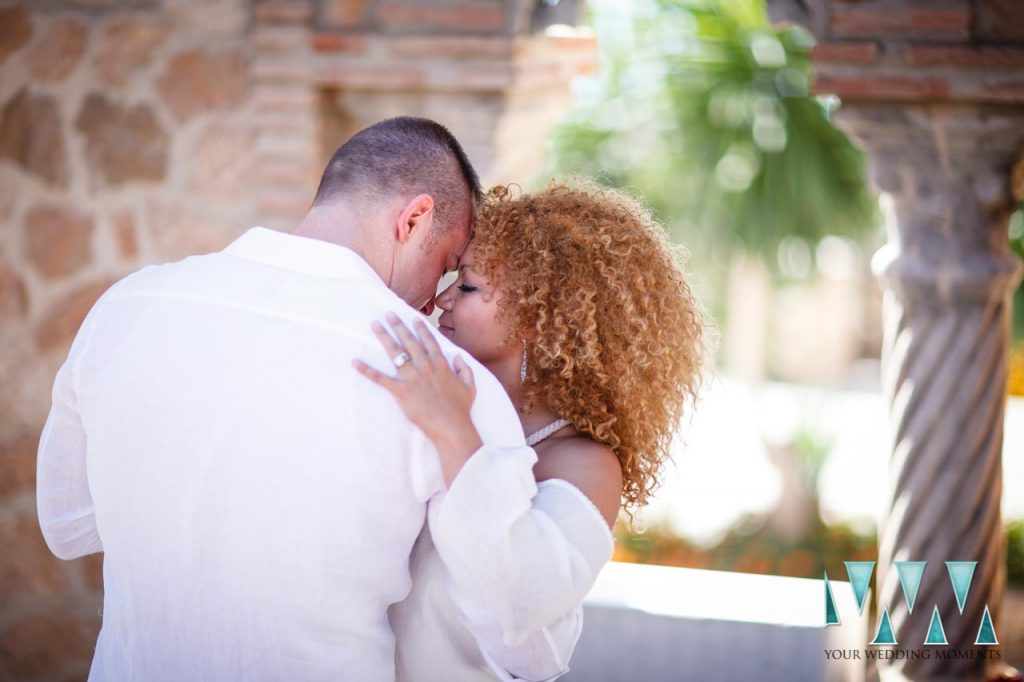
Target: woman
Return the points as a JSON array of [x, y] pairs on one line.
[[573, 299]]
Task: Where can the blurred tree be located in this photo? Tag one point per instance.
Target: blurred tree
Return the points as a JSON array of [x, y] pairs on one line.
[[705, 109]]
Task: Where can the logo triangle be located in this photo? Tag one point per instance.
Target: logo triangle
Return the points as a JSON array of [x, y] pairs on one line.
[[910, 574], [884, 634], [831, 612], [936, 633], [859, 573], [987, 632], [960, 574]]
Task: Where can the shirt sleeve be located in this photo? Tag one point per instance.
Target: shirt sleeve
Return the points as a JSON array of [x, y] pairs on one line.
[[63, 501], [520, 558]]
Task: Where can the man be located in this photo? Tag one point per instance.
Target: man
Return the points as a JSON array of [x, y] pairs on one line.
[[256, 500]]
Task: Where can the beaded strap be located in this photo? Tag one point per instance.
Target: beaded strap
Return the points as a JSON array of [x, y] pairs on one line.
[[538, 436]]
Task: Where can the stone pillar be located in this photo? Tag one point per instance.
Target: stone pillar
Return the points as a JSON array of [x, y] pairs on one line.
[[948, 277], [934, 92]]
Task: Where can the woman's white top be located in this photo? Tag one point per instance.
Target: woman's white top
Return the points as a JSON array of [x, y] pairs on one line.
[[530, 631]]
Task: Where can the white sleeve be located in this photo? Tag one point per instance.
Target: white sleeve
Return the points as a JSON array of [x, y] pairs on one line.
[[63, 501], [520, 559]]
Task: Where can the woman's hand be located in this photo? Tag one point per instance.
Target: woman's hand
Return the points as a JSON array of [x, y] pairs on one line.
[[434, 396]]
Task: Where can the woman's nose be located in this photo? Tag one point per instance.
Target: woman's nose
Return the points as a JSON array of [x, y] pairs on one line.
[[444, 299]]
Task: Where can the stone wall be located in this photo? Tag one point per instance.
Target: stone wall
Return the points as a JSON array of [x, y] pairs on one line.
[[141, 131]]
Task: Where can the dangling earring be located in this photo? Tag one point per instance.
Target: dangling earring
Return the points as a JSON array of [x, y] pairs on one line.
[[522, 367]]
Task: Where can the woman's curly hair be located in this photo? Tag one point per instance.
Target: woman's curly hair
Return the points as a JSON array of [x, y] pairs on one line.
[[618, 339]]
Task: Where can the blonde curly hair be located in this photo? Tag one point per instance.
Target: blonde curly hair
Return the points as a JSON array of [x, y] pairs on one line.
[[618, 339]]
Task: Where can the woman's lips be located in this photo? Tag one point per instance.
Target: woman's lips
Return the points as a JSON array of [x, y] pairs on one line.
[[445, 329]]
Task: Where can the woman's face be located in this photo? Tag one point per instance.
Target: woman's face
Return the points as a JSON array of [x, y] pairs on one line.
[[470, 318]]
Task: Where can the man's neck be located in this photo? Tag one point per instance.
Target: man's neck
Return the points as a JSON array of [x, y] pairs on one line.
[[347, 228]]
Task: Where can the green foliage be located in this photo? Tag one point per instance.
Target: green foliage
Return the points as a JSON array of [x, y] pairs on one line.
[[1017, 246], [705, 109], [1015, 553], [750, 547]]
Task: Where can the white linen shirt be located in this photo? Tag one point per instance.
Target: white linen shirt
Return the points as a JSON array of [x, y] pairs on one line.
[[255, 498]]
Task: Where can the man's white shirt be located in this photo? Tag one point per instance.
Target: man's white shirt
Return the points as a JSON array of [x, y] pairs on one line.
[[256, 500]]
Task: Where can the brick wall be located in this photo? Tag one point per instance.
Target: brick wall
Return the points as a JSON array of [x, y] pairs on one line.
[[141, 131], [914, 51]]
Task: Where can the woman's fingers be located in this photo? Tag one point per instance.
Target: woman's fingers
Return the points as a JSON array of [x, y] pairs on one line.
[[391, 347], [464, 373], [408, 340], [429, 342], [376, 377]]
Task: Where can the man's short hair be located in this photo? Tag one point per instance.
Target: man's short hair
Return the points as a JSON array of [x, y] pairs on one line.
[[404, 156]]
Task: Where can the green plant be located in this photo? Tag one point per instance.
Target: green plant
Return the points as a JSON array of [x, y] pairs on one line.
[[706, 109]]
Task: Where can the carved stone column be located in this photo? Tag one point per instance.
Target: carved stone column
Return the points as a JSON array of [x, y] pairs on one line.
[[948, 276]]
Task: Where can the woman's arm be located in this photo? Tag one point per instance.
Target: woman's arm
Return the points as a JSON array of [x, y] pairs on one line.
[[518, 578]]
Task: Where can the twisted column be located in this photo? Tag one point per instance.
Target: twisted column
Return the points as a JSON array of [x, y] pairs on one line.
[[948, 276]]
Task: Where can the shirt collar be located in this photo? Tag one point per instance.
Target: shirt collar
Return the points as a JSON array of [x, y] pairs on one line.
[[301, 254]]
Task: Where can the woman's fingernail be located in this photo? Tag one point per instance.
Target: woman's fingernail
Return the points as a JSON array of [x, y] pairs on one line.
[[393, 318]]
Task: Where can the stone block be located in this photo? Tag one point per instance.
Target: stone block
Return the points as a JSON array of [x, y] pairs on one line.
[[58, 240], [122, 143], [59, 51], [31, 135], [196, 81]]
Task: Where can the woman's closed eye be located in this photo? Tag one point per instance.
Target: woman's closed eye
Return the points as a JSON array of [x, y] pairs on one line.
[[466, 289]]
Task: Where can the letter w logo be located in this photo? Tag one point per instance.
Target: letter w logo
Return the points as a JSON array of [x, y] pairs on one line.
[[910, 573]]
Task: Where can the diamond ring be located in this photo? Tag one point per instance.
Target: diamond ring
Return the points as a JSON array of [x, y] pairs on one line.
[[401, 359]]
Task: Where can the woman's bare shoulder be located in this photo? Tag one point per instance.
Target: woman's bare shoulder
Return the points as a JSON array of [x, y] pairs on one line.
[[590, 466]]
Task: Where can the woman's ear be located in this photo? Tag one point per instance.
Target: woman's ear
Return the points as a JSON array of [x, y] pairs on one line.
[[416, 218]]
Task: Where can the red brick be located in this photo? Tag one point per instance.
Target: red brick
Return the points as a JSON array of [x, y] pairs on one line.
[[370, 78], [965, 57], [1009, 92], [281, 71], [999, 21], [280, 39], [339, 42], [906, 22], [283, 98], [465, 17], [283, 12], [454, 47], [345, 13], [885, 88], [850, 52], [124, 232]]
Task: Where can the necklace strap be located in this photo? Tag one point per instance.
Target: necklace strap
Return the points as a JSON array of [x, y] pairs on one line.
[[538, 436]]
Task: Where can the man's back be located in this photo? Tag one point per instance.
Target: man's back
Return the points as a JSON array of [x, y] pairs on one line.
[[256, 500]]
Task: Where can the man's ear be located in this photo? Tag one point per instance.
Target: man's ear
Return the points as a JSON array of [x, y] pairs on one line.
[[416, 217]]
